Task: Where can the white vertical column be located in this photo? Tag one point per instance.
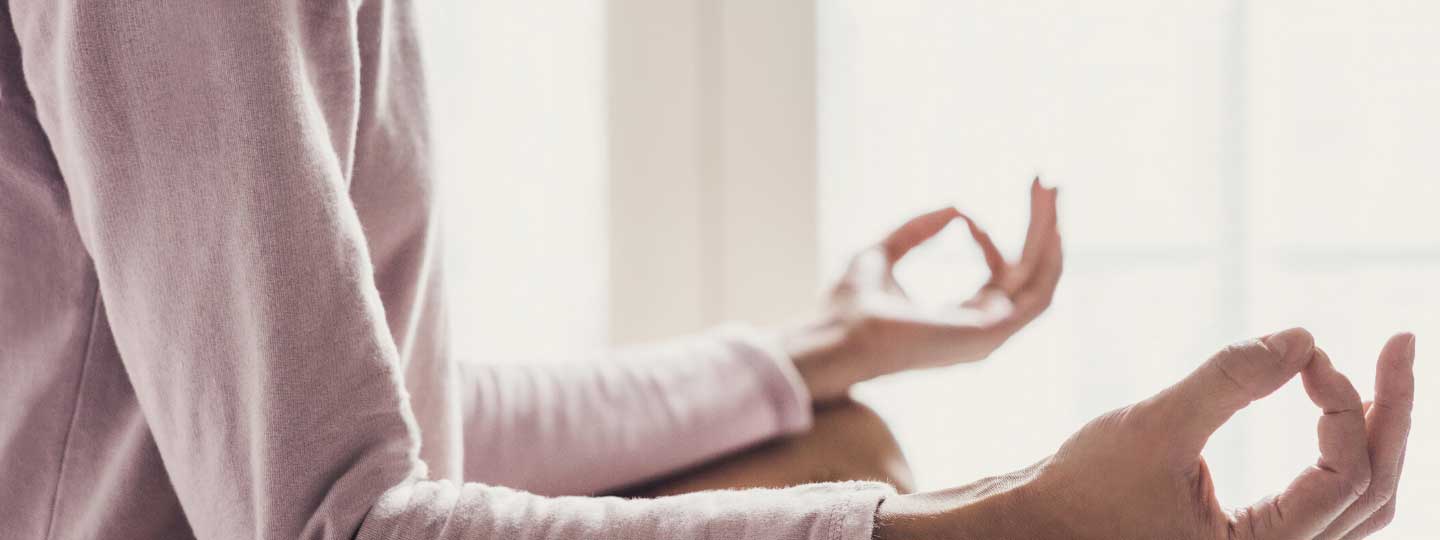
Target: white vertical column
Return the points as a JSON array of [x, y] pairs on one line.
[[764, 172], [653, 52], [712, 163]]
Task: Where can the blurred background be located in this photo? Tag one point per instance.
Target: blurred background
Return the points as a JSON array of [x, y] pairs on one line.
[[627, 170]]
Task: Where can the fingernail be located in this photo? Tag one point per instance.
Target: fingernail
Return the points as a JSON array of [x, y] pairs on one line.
[[1275, 343], [1410, 350], [1284, 341]]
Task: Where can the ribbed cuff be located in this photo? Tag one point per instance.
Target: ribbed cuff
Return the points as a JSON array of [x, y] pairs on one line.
[[779, 379], [852, 515]]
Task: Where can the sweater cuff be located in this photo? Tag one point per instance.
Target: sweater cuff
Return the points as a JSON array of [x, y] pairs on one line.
[[779, 379], [852, 515]]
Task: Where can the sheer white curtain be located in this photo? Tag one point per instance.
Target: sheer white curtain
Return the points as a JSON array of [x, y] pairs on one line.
[[1227, 169]]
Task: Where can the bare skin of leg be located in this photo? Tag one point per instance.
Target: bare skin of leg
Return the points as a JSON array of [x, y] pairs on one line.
[[848, 442]]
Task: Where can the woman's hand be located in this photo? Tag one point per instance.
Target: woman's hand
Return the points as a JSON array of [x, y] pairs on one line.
[[1137, 472], [870, 327]]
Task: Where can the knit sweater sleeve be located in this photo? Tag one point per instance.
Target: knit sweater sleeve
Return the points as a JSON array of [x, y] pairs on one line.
[[638, 413], [206, 148]]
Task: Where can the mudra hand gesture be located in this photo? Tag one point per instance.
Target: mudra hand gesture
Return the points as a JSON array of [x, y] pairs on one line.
[[1136, 472], [871, 327]]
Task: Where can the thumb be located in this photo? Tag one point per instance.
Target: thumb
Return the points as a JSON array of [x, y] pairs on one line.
[[1231, 379]]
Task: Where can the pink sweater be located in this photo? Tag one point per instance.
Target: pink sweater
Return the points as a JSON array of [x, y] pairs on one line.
[[221, 309]]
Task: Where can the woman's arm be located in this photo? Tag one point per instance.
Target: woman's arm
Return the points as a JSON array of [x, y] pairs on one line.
[[592, 427], [206, 148], [659, 409]]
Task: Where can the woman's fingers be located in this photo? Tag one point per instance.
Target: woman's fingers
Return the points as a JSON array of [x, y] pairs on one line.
[[1380, 518], [1373, 525], [993, 258], [1387, 425], [1322, 492], [1034, 237], [1027, 286], [1035, 293], [1040, 249], [916, 231], [1230, 380]]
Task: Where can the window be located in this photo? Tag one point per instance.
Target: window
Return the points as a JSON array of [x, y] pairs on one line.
[[1227, 169]]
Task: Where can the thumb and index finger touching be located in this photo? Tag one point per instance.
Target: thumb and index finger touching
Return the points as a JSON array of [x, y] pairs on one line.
[[916, 231], [1198, 405], [925, 226], [1029, 283], [1230, 380], [1247, 371]]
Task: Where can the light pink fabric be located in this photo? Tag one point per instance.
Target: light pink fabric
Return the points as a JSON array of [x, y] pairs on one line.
[[221, 311]]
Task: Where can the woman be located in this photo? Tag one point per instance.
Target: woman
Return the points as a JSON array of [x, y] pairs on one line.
[[222, 318]]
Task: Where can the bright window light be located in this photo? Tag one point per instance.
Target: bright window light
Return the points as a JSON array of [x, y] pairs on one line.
[[1227, 169]]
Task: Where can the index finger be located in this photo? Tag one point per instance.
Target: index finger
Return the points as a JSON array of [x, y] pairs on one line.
[[1321, 492], [993, 259], [916, 231]]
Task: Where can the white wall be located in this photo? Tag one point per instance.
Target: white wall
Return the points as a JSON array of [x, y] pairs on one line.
[[519, 110]]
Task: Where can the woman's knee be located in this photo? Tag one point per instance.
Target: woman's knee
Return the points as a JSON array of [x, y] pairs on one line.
[[850, 441]]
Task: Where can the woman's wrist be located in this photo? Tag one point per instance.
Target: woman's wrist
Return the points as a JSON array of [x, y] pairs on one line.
[[823, 351], [998, 508]]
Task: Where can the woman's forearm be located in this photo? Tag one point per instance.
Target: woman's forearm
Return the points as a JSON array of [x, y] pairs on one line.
[[641, 412]]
